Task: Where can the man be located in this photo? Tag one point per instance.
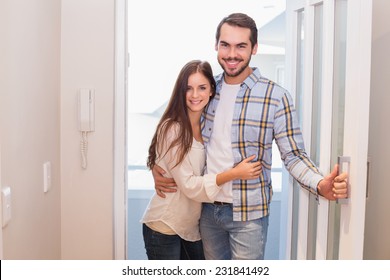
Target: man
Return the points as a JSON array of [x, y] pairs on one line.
[[246, 115]]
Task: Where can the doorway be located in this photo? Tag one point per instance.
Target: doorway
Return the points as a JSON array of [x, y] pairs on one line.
[[158, 48], [119, 233]]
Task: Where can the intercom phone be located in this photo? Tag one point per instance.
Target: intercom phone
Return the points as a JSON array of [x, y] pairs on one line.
[[86, 119], [86, 110]]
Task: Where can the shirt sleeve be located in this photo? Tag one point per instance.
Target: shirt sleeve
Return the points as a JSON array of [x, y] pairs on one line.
[[290, 143], [199, 188]]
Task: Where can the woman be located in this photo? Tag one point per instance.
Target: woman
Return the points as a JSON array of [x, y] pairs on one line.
[[171, 224]]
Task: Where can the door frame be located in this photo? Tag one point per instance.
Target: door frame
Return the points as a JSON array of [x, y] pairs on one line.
[[1, 208], [120, 133]]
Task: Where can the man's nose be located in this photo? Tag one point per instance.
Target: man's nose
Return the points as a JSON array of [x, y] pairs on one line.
[[232, 52]]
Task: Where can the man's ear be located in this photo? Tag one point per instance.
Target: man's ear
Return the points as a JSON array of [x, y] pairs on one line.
[[216, 46], [254, 50]]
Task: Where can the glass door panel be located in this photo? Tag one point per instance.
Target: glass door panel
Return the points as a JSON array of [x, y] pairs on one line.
[[338, 111], [299, 108], [316, 121]]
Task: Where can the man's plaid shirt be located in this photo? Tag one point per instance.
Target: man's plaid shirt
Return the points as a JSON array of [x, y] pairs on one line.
[[263, 112]]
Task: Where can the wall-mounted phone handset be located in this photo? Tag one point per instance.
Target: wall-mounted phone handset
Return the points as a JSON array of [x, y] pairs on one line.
[[86, 118]]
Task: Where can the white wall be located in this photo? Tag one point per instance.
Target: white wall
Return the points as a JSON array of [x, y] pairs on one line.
[[30, 118], [87, 60], [377, 225], [49, 49]]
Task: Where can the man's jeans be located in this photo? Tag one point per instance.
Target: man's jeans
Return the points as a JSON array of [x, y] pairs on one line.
[[225, 239], [170, 247]]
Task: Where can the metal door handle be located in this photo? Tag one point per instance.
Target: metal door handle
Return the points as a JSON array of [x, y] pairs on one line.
[[344, 163]]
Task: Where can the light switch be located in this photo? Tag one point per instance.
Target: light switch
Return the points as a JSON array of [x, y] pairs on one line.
[[46, 176], [6, 203]]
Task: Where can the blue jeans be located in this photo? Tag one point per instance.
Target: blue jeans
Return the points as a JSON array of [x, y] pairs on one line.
[[170, 247], [225, 239]]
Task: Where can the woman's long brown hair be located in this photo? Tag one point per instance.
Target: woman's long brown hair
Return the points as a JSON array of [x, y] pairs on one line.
[[176, 113]]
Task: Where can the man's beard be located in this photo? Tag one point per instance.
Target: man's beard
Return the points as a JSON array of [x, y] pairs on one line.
[[235, 74]]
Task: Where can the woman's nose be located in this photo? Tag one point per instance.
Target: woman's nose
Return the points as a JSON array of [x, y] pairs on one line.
[[195, 93]]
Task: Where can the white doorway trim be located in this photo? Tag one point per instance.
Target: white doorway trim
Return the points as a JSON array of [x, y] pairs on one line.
[[1, 213], [120, 132]]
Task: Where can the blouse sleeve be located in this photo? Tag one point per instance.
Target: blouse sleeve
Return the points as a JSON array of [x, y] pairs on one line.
[[199, 188]]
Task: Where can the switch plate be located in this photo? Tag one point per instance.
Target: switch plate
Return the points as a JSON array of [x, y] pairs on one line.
[[46, 176], [6, 203]]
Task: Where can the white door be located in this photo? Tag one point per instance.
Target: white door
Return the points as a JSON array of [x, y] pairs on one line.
[[328, 71]]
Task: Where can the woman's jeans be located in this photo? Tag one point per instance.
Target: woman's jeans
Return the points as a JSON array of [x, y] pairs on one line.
[[225, 239], [170, 247]]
